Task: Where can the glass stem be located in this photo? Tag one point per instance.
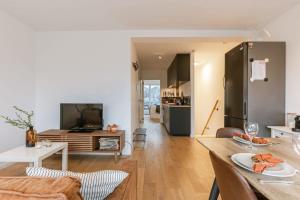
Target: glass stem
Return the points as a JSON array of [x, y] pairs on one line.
[[250, 143]]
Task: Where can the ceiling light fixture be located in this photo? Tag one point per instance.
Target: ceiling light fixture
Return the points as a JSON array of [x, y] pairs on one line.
[[159, 57]]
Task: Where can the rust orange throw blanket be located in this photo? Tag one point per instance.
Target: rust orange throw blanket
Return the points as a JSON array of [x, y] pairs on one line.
[[263, 161], [35, 188]]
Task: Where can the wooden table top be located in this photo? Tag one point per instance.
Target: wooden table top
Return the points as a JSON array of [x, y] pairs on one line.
[[225, 147]]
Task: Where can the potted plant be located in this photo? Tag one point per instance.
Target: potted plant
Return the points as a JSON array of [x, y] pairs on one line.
[[23, 121]]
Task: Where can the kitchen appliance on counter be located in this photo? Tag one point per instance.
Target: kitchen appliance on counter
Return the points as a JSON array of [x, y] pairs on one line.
[[297, 124], [186, 100], [178, 101], [255, 85]]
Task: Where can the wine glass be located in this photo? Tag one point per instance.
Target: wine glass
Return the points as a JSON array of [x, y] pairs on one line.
[[251, 129], [296, 143]]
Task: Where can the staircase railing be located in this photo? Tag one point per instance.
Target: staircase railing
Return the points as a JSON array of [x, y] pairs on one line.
[[215, 108]]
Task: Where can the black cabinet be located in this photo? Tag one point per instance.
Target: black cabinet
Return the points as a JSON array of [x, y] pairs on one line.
[[177, 120], [166, 117], [179, 70], [183, 68], [172, 74]]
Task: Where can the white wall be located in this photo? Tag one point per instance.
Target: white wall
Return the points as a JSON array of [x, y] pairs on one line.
[[208, 87], [155, 74], [134, 90], [77, 66], [84, 67], [286, 28], [17, 77], [94, 66]]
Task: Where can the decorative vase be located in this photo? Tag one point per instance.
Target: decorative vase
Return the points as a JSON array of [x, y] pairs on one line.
[[108, 128], [114, 128], [30, 137]]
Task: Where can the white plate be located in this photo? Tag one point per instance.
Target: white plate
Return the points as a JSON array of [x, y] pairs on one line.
[[241, 140], [281, 170]]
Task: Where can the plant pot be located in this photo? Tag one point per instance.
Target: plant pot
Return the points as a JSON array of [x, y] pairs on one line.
[[31, 137]]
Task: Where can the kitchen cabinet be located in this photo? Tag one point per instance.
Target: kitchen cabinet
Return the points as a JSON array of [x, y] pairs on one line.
[[179, 71], [172, 74], [166, 118], [183, 68], [281, 132], [177, 119]]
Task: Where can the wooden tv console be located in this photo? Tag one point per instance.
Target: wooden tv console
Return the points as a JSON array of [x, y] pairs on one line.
[[84, 142]]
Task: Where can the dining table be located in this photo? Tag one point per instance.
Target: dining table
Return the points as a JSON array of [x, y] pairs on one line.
[[279, 147]]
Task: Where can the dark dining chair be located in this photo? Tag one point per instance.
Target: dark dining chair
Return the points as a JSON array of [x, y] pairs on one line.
[[227, 132], [232, 185]]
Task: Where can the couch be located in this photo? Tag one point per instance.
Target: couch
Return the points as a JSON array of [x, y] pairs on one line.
[[127, 190], [65, 188]]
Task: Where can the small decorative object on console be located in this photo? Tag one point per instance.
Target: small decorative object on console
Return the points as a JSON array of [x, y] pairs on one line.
[[23, 121], [112, 128], [108, 128]]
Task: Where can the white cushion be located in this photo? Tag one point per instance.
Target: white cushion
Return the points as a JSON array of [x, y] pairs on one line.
[[94, 185]]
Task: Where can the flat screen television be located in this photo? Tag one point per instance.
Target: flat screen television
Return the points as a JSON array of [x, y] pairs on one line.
[[83, 117]]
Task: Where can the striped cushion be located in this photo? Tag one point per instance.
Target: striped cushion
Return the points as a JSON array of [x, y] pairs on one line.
[[95, 185]]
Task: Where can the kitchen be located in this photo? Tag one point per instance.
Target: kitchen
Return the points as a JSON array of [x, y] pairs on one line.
[[191, 74], [176, 99]]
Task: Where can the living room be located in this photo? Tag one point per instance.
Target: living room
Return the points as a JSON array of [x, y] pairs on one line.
[[82, 52]]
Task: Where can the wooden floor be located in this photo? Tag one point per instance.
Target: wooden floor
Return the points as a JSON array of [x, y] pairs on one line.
[[169, 167]]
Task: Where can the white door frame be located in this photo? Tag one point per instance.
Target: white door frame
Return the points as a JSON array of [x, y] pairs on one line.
[[192, 68]]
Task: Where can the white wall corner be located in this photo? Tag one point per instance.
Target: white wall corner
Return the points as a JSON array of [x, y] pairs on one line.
[[17, 77], [192, 74]]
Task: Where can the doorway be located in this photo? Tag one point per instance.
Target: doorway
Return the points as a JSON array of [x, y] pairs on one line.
[[202, 91], [152, 99]]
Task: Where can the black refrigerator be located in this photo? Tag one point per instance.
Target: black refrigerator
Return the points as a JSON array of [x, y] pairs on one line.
[[261, 101]]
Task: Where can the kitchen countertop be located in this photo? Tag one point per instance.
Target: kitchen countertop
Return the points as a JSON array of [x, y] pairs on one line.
[[174, 105]]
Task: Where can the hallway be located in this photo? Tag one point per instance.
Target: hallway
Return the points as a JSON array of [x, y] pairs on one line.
[[173, 167]]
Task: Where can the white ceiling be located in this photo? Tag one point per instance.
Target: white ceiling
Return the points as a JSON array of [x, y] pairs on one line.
[[145, 14], [149, 49]]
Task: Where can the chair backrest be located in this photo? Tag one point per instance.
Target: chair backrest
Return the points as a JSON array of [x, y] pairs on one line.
[[228, 132], [232, 185]]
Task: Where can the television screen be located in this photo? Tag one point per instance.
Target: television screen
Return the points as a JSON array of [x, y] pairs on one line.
[[81, 117]]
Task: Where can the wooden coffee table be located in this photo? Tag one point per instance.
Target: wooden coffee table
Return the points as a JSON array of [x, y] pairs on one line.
[[35, 156]]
